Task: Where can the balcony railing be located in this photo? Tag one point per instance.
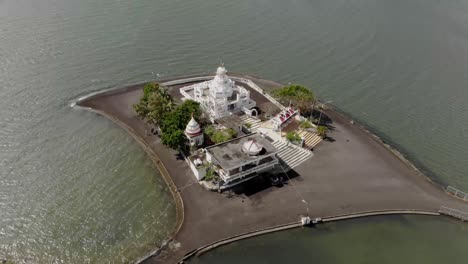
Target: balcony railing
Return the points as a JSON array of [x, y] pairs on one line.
[[228, 178]]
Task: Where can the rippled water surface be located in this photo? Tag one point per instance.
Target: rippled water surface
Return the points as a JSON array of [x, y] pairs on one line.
[[396, 239], [75, 188]]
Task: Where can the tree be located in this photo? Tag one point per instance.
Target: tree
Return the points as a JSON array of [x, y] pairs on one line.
[[159, 105], [174, 122], [141, 109], [297, 95], [153, 96], [148, 89], [322, 131], [174, 139], [179, 117]]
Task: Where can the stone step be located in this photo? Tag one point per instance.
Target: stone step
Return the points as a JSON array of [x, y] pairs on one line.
[[310, 139]]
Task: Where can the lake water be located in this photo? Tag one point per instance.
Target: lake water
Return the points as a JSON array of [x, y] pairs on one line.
[[75, 188]]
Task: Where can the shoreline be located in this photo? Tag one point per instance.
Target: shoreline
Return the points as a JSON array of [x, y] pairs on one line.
[[178, 199], [206, 248], [394, 147]]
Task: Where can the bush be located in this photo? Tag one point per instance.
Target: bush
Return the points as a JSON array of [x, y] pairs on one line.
[[322, 131], [220, 135], [248, 125], [293, 136], [305, 124], [209, 130], [210, 174]]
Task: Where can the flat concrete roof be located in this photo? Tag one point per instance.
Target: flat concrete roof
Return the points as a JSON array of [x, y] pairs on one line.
[[230, 155], [231, 121]]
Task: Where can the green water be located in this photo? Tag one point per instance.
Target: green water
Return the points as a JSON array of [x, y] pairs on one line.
[[75, 188], [396, 239]]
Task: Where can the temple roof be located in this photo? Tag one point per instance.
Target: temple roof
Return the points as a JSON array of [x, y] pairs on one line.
[[229, 154], [252, 147], [192, 128], [221, 86], [221, 70]]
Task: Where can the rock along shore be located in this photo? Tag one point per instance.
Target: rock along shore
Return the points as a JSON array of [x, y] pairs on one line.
[[354, 174]]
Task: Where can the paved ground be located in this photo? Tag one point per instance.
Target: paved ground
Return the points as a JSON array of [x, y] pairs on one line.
[[353, 173]]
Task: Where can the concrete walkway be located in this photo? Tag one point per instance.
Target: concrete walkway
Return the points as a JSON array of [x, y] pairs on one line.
[[354, 173]]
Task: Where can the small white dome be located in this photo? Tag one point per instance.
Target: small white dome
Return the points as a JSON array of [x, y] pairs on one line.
[[192, 128], [251, 147]]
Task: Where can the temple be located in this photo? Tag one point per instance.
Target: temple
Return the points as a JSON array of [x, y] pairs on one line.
[[236, 160], [220, 97], [194, 133]]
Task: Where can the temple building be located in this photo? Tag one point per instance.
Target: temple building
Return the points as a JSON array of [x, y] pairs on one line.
[[220, 97], [284, 117], [194, 133], [241, 159]]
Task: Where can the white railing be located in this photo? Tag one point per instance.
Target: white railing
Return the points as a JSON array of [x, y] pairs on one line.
[[457, 193], [249, 171], [186, 80], [260, 90], [454, 212]]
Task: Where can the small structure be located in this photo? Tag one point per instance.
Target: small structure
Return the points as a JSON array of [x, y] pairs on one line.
[[194, 133], [241, 159], [282, 119], [197, 165], [220, 97]]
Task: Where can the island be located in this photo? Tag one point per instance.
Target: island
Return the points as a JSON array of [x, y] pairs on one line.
[[242, 157]]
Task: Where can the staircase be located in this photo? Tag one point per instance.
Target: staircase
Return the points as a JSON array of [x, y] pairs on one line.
[[310, 139], [254, 122], [290, 154]]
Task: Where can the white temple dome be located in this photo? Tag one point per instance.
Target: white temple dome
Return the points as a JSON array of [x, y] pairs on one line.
[[252, 147], [221, 70], [192, 128], [221, 86]]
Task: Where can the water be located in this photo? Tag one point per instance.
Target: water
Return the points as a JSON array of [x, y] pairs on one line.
[[396, 239], [75, 188]]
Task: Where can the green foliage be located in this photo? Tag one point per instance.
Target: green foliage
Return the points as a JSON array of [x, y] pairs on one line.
[[248, 125], [174, 123], [148, 89], [154, 104], [174, 138], [209, 130], [157, 106], [299, 96], [180, 116], [210, 174], [322, 131], [141, 109], [293, 136], [305, 124], [220, 135]]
